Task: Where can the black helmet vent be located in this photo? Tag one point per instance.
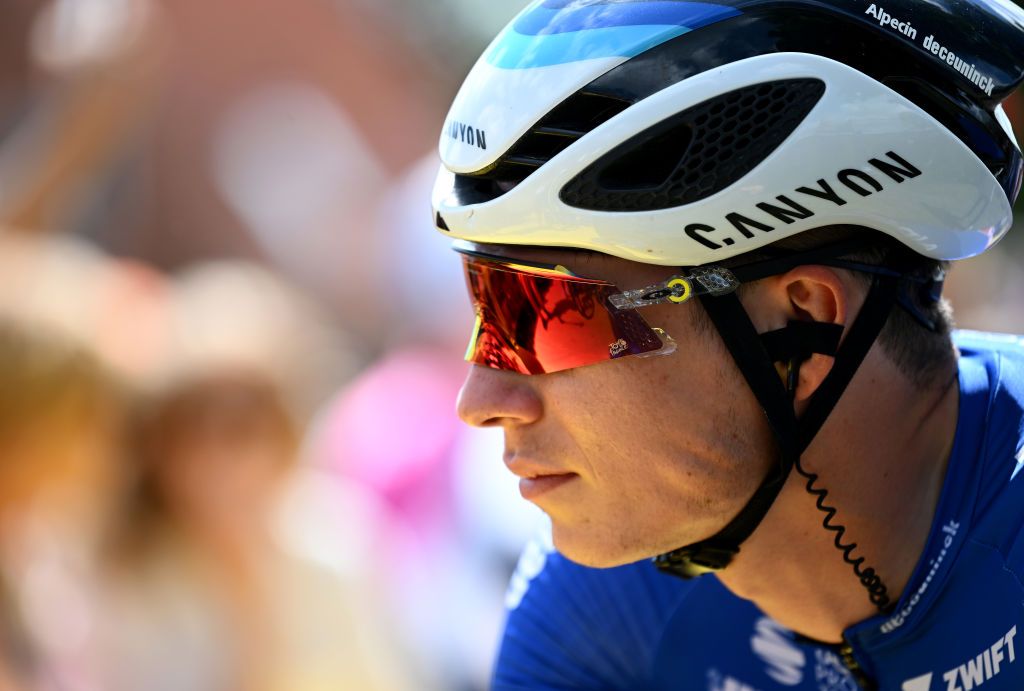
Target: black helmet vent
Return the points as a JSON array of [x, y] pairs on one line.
[[649, 165], [696, 153], [576, 116]]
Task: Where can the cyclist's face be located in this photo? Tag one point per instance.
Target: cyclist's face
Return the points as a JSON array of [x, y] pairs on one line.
[[629, 457]]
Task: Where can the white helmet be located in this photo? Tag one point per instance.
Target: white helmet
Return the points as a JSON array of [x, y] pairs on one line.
[[683, 133]]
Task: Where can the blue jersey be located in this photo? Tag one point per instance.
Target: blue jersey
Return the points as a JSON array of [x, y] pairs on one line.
[[955, 627]]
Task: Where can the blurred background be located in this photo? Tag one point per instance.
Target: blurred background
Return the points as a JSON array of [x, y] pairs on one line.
[[230, 343]]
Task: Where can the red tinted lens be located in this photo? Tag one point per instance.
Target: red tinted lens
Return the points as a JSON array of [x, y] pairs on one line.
[[534, 322]]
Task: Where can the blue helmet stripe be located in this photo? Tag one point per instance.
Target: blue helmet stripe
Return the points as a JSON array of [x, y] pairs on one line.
[[572, 31], [545, 19], [516, 51]]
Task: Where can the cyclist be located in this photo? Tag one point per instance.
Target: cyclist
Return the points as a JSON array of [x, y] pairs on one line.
[[717, 233]]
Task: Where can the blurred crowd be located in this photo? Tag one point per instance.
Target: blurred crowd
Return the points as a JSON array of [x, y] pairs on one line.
[[230, 344], [229, 352]]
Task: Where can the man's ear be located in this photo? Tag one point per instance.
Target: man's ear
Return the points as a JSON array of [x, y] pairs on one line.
[[805, 293]]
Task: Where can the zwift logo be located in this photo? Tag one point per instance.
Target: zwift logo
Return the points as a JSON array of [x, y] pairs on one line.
[[974, 672]]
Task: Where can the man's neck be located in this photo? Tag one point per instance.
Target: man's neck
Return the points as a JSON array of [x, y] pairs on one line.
[[882, 456]]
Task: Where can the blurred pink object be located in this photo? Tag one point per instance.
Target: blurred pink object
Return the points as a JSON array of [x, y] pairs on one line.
[[394, 427]]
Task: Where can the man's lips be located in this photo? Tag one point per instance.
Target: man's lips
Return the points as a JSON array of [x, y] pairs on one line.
[[533, 487], [536, 479]]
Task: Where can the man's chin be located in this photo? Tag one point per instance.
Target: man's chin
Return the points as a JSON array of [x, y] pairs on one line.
[[597, 551]]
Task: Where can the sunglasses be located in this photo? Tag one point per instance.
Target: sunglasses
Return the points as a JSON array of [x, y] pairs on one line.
[[534, 318]]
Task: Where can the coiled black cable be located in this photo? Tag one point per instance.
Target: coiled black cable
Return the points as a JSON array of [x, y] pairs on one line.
[[869, 578]]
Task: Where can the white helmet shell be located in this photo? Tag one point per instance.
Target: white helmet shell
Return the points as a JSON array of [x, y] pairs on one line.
[[863, 154]]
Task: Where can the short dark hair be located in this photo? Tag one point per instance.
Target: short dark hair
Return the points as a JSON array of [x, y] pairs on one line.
[[927, 357]]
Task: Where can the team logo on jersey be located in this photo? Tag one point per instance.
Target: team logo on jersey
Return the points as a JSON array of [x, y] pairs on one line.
[[830, 674], [531, 563], [897, 620], [723, 682], [974, 672], [786, 663], [774, 645], [921, 683]]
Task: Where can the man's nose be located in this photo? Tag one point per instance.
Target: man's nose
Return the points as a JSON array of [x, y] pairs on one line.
[[492, 398]]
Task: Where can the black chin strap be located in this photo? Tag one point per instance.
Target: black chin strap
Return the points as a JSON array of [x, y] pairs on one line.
[[756, 355]]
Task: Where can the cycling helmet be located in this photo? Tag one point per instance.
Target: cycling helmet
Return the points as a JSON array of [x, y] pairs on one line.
[[666, 132], [690, 133]]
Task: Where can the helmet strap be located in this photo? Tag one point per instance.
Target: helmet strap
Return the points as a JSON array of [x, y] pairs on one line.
[[755, 355]]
